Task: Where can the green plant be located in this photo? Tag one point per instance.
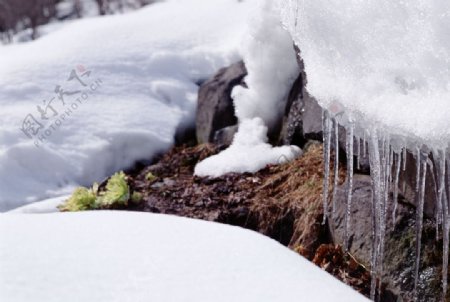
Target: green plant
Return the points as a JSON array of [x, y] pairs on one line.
[[82, 199], [117, 191], [150, 177], [136, 197]]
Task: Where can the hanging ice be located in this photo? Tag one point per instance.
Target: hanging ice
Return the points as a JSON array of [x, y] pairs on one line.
[[420, 190], [326, 160], [349, 149], [336, 164]]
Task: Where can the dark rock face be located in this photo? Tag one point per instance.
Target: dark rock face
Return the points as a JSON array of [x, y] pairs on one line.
[[399, 260], [215, 106], [302, 119]]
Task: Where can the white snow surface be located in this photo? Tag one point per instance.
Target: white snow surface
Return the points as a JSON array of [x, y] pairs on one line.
[[249, 152], [148, 63], [272, 67], [40, 207], [120, 256], [384, 62]]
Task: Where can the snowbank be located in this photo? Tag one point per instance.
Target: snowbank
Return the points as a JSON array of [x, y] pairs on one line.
[[118, 256], [142, 84], [271, 63], [385, 62]]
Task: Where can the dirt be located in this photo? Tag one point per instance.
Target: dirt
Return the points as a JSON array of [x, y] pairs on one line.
[[283, 202]]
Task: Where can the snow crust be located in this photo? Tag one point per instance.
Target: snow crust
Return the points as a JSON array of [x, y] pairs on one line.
[[148, 63], [384, 62], [120, 256], [272, 68]]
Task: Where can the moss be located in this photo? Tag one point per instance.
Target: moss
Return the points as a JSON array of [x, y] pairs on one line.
[[136, 197], [117, 191], [150, 177], [82, 199]]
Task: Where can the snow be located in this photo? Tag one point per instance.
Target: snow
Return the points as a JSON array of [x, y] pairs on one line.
[[45, 206], [144, 70], [385, 62], [123, 256], [249, 152], [272, 67]]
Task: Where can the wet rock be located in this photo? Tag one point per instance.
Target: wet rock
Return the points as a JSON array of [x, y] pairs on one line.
[[399, 252], [224, 137], [215, 108]]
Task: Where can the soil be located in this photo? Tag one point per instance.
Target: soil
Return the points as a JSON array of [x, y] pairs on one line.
[[283, 202]]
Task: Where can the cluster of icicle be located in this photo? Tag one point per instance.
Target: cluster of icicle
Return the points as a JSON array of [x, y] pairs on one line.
[[386, 160]]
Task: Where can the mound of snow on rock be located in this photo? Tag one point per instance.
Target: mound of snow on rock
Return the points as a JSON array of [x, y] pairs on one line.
[[385, 62]]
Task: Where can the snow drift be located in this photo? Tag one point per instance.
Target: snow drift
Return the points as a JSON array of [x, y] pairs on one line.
[[147, 62], [119, 256]]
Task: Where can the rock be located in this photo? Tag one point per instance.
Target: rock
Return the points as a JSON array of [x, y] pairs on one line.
[[215, 106], [224, 137], [302, 119], [399, 241]]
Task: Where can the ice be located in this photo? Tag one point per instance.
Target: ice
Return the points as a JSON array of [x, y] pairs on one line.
[[327, 125], [396, 187], [348, 212], [336, 163], [149, 69], [422, 161], [385, 63], [375, 173], [123, 256]]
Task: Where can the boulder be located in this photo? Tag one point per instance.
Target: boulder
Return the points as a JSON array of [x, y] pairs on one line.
[[215, 108]]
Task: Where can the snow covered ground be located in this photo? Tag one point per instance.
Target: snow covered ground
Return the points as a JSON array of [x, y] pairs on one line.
[[99, 94], [120, 256]]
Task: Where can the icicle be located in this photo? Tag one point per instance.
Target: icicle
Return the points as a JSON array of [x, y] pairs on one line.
[[349, 151], [386, 173], [420, 190], [364, 145], [436, 179], [336, 164], [396, 179], [358, 153], [404, 170], [375, 168], [326, 155], [440, 191], [446, 235]]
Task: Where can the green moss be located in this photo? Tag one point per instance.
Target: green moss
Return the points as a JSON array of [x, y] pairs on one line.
[[82, 199], [150, 177], [136, 197], [117, 191]]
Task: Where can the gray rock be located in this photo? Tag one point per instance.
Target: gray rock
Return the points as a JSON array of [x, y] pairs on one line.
[[215, 108], [400, 243], [224, 137]]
